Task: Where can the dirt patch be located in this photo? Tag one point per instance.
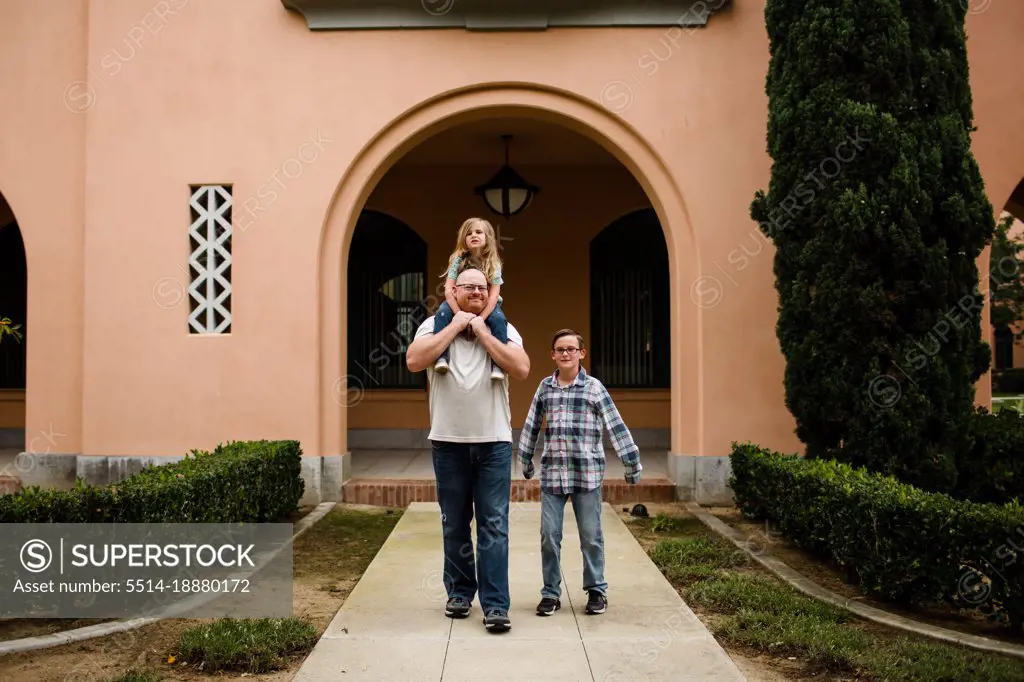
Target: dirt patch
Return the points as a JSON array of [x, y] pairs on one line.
[[328, 561], [830, 576], [762, 668]]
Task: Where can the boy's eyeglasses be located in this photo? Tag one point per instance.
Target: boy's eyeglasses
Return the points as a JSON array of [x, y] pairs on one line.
[[570, 351], [473, 287]]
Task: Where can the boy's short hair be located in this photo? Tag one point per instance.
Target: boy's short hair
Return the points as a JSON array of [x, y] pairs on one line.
[[565, 332]]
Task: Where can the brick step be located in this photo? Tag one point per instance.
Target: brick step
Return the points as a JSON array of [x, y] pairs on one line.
[[399, 493], [9, 485]]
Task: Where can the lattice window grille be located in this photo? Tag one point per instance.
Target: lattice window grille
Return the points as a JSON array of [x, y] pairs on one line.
[[210, 260]]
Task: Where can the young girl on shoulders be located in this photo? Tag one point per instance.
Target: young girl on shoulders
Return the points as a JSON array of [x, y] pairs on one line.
[[476, 246]]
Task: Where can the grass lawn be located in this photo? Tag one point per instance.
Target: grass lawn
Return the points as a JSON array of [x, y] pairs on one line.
[[327, 560], [831, 576], [751, 612]]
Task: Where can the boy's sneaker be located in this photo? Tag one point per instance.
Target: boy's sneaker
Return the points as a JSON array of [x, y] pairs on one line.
[[457, 607], [597, 604], [497, 620], [441, 366], [497, 373], [547, 606]]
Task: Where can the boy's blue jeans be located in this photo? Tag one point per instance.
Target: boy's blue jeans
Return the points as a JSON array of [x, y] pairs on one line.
[[475, 477], [587, 509], [496, 322]]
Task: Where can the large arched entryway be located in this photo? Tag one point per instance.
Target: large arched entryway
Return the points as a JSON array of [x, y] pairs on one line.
[[467, 110]]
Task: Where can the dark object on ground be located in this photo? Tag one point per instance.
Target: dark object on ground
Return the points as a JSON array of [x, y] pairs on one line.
[[639, 510]]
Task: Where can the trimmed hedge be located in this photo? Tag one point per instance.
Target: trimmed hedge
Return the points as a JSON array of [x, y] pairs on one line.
[[253, 481], [992, 470], [892, 539]]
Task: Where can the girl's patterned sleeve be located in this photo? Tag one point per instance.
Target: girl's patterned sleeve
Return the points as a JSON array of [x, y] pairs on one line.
[[497, 278], [453, 271]]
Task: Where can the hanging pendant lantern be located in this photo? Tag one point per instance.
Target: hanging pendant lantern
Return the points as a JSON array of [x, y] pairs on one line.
[[507, 193]]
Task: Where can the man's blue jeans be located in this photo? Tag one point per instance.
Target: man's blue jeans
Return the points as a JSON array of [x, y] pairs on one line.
[[475, 477], [586, 507], [496, 322]]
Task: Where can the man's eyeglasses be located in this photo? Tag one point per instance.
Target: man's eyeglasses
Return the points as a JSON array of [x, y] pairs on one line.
[[470, 288], [570, 351]]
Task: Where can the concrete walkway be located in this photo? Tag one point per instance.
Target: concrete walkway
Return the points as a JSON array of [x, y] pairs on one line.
[[392, 627]]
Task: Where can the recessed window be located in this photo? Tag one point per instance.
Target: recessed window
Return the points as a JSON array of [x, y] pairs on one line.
[[629, 304], [387, 282]]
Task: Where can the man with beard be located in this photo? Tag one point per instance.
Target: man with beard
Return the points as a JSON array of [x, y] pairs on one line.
[[471, 437]]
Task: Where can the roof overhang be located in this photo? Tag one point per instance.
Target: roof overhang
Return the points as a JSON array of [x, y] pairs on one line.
[[501, 15]]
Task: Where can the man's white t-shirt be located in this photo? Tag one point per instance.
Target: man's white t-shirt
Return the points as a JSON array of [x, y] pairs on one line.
[[466, 404]]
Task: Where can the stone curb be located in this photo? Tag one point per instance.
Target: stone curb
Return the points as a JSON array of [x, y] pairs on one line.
[[812, 589], [93, 631]]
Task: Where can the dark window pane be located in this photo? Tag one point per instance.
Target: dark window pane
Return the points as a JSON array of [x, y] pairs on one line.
[[629, 305], [13, 302], [387, 294]]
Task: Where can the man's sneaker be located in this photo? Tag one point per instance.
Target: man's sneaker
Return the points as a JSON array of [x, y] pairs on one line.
[[441, 366], [547, 606], [597, 603], [497, 620], [497, 373], [457, 607]]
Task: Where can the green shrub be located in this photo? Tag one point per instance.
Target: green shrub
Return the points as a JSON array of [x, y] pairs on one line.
[[892, 539], [992, 470], [255, 481]]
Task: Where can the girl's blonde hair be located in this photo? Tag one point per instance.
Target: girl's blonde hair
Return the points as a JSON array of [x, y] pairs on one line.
[[489, 262]]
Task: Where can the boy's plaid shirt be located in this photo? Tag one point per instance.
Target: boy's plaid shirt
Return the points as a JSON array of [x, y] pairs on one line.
[[573, 457]]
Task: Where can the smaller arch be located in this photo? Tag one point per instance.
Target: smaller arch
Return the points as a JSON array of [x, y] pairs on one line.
[[13, 298], [387, 281], [1003, 331], [630, 305]]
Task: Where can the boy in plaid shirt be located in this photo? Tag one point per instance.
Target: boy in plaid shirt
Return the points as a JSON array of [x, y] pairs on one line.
[[577, 408]]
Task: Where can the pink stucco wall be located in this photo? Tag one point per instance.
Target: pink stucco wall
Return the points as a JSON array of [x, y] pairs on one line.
[[178, 93], [43, 49]]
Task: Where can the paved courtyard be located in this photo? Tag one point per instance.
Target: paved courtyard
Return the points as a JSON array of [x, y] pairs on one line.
[[392, 627]]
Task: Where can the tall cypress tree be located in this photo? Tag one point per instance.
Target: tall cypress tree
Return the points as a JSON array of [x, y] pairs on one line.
[[878, 214]]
